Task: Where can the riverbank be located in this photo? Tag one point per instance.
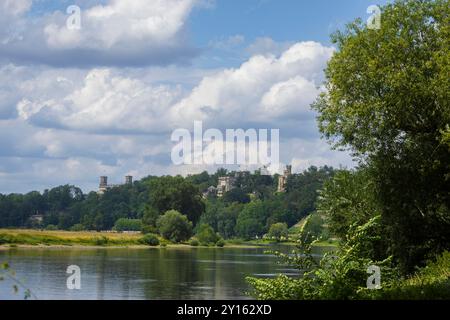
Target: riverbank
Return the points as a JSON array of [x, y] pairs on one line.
[[26, 238]]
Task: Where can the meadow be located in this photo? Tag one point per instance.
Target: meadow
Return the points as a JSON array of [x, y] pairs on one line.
[[67, 238]]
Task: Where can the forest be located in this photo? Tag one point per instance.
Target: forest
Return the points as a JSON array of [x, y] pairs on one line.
[[246, 212]]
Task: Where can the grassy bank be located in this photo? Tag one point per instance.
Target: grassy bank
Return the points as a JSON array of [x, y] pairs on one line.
[[66, 238], [25, 237]]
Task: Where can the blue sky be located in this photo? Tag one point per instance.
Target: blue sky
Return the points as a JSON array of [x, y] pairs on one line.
[[103, 99], [282, 20]]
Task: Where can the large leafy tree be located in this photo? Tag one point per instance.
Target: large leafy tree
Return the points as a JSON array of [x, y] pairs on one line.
[[387, 100], [176, 193]]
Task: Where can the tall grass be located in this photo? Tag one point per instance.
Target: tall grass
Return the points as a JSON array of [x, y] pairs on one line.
[[34, 237]]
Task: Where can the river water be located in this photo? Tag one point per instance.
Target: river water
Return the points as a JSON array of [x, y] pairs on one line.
[[150, 274]]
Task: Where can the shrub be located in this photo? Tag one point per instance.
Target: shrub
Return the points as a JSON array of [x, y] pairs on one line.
[[194, 243], [174, 226], [77, 227], [278, 231], [206, 235], [148, 229], [220, 243], [149, 239], [51, 227], [124, 224]]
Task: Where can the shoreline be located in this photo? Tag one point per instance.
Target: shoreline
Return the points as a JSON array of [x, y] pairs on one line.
[[7, 247], [11, 239]]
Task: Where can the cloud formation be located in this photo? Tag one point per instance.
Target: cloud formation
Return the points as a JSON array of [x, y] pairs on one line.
[[72, 125], [118, 33]]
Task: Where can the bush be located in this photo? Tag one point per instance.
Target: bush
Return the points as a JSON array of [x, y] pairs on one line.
[[429, 283], [124, 224], [150, 240], [194, 243], [77, 227], [51, 227], [174, 226], [220, 243], [278, 231], [206, 235], [148, 229]]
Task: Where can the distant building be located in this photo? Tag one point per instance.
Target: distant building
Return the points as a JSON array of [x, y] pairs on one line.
[[128, 180], [211, 191], [225, 184], [104, 186], [37, 219], [282, 180]]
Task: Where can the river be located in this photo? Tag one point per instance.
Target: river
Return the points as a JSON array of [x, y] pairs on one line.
[[153, 273]]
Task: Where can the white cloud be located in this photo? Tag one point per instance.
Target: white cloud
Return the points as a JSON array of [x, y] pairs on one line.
[[72, 125], [106, 102], [283, 85], [15, 7], [265, 89], [122, 21], [120, 32]]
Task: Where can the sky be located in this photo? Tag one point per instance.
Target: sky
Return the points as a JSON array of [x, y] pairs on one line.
[[104, 99]]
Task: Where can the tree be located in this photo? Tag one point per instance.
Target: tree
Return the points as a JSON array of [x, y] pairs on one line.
[[348, 199], [251, 220], [236, 195], [206, 235], [174, 226], [176, 193], [124, 224], [387, 101], [150, 239], [150, 216], [278, 231]]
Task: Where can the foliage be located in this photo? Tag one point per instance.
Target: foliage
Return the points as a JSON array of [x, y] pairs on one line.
[[176, 193], [278, 231], [347, 199], [250, 222], [150, 215], [428, 283], [194, 243], [338, 275], [124, 224], [51, 227], [7, 272], [387, 100], [236, 195], [174, 226], [314, 227], [150, 239], [220, 243], [206, 235], [69, 209], [77, 227]]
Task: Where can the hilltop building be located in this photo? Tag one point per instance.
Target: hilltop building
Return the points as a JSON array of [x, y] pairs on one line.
[[282, 180], [225, 184], [210, 191], [104, 186]]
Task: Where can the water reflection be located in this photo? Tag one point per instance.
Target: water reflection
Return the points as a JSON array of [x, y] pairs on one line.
[[168, 273]]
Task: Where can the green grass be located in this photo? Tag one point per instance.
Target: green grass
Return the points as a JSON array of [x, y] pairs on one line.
[[66, 238], [430, 282]]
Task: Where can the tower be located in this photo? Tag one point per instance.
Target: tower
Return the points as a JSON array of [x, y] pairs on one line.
[[103, 182], [103, 186], [128, 179], [282, 180]]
